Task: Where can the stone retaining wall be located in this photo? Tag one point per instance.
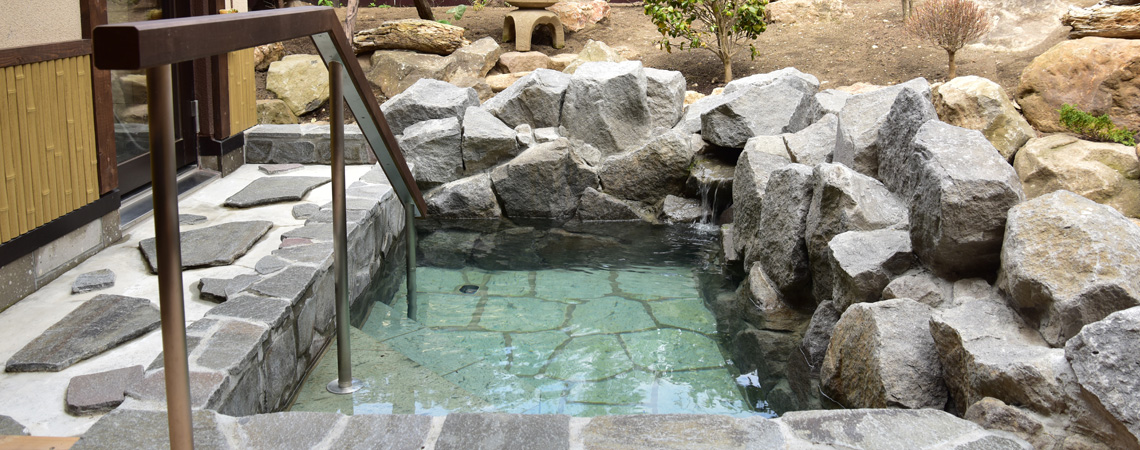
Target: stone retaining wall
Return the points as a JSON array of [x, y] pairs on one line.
[[250, 353], [303, 144]]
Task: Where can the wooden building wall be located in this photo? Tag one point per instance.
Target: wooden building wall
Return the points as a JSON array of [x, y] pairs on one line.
[[242, 91], [47, 143]]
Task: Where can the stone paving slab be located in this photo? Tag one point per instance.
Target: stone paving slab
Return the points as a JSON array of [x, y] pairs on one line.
[[264, 191], [891, 429], [101, 392], [145, 430], [505, 432], [220, 289], [681, 432], [98, 325], [93, 281], [385, 432], [10, 427], [202, 247], [277, 169], [190, 219], [299, 430]]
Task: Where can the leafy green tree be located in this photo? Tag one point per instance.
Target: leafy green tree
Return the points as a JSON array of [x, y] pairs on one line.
[[721, 26]]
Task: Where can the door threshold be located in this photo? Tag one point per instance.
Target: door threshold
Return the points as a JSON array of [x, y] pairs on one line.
[[140, 205]]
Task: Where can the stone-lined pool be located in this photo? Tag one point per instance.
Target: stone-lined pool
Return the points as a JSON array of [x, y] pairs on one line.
[[583, 320]]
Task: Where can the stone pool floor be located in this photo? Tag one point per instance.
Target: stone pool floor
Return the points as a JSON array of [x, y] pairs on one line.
[[576, 342]]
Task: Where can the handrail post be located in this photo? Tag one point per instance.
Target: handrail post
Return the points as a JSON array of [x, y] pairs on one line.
[[168, 246], [344, 384], [410, 230]]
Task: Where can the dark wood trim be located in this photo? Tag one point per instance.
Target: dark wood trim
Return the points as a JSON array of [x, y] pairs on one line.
[[209, 146], [221, 94], [44, 52], [140, 45], [47, 233], [93, 14]]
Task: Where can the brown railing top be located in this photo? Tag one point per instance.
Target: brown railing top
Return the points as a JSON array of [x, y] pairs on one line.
[[140, 45]]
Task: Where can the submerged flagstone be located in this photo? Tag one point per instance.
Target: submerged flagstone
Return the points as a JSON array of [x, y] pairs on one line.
[[589, 358], [98, 325]]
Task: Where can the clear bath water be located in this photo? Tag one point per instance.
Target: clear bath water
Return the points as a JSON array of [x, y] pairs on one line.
[[585, 320]]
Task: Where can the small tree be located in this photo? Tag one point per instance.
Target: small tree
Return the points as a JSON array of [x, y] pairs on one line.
[[950, 24], [730, 22]]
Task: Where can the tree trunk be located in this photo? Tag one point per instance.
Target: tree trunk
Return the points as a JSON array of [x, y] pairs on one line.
[[350, 18], [727, 60], [423, 10], [410, 34], [1104, 21], [953, 65]]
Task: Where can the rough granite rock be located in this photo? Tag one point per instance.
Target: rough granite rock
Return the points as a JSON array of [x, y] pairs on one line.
[[922, 286], [93, 281], [606, 106], [764, 309], [487, 141], [781, 247], [831, 101], [593, 51], [427, 99], [1106, 173], [665, 90], [683, 210], [863, 263], [394, 71], [274, 111], [845, 200], [891, 429], [1103, 356], [881, 121], [960, 190], [817, 337], [433, 147], [96, 326], [691, 119], [979, 104], [202, 248], [1067, 262], [994, 414], [269, 190], [599, 206], [101, 392], [759, 110], [791, 76], [544, 181], [814, 144], [465, 198], [523, 61], [755, 165], [881, 355], [535, 100], [302, 81], [648, 174]]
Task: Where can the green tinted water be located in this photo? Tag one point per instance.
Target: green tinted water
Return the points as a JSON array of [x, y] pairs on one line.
[[595, 332]]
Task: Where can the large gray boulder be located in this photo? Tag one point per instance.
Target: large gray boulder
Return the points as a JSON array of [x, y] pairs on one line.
[[651, 172], [544, 181], [1104, 357], [486, 140], [465, 198], [922, 286], [804, 82], [758, 110], [690, 121], [606, 106], [433, 149], [749, 182], [1067, 262], [817, 337], [881, 355], [879, 121], [781, 247], [863, 262], [831, 101], [665, 91], [960, 192], [427, 99], [595, 206], [844, 200], [814, 144], [535, 100], [763, 307]]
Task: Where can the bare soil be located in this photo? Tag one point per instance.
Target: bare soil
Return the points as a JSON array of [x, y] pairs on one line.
[[869, 45]]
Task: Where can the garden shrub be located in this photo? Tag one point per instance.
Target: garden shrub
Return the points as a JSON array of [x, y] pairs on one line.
[[1096, 128], [722, 26]]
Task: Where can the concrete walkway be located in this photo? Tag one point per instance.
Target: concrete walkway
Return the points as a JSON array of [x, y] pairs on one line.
[[36, 399]]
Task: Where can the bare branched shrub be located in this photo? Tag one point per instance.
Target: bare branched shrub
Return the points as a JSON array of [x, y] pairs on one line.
[[950, 24]]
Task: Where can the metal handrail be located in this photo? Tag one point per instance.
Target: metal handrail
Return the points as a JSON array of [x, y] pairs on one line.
[[154, 46]]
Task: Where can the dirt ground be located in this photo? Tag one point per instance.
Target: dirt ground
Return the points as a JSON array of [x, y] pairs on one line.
[[868, 45]]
